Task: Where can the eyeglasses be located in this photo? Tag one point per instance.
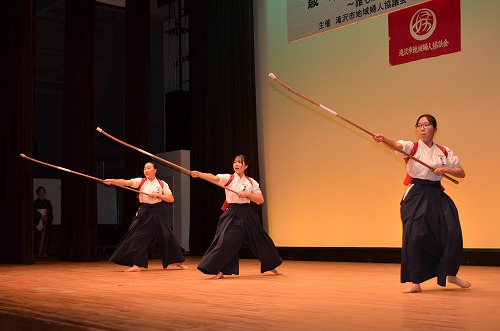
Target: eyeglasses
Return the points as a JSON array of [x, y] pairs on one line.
[[425, 125]]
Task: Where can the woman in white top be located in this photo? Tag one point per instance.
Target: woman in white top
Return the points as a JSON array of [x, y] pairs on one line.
[[432, 236], [148, 224], [238, 224]]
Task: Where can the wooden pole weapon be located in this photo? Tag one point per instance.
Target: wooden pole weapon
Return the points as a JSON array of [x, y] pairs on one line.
[[80, 174], [331, 112], [178, 167]]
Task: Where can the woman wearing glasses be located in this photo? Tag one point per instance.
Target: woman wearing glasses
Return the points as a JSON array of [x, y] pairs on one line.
[[432, 236]]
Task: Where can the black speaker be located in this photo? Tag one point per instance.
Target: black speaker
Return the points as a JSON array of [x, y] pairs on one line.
[[177, 124], [161, 3]]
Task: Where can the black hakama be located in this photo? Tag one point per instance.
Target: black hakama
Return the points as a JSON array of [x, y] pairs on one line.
[[432, 236], [149, 224], [238, 225]]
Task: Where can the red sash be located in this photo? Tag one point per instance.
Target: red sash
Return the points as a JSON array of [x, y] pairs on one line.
[[142, 182], [225, 204], [408, 178]]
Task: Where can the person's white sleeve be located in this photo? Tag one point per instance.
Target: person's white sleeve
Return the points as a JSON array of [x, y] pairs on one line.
[[407, 147], [166, 188], [223, 178]]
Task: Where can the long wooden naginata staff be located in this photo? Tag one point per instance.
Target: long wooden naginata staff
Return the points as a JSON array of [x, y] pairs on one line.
[[80, 174], [178, 167], [331, 112]]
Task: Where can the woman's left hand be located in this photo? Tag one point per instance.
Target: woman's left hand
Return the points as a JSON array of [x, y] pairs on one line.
[[244, 194]]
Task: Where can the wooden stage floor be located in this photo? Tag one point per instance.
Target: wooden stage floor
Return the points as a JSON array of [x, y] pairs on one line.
[[54, 295]]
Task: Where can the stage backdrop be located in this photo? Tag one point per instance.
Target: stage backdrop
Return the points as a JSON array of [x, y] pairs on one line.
[[328, 184]]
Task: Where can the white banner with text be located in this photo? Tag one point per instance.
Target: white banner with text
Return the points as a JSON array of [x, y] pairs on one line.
[[307, 18]]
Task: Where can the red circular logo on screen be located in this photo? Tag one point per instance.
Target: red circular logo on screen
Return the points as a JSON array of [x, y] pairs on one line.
[[423, 24]]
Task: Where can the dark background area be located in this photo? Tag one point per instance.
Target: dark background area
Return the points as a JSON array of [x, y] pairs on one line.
[[110, 33], [73, 66]]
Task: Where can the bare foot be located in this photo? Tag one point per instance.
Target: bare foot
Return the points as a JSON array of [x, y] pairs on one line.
[[414, 288], [182, 266], [218, 276], [460, 282], [133, 269], [276, 272]]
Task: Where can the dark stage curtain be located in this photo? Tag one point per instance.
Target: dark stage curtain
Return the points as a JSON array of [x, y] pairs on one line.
[[79, 194], [137, 96], [17, 76], [222, 105]]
